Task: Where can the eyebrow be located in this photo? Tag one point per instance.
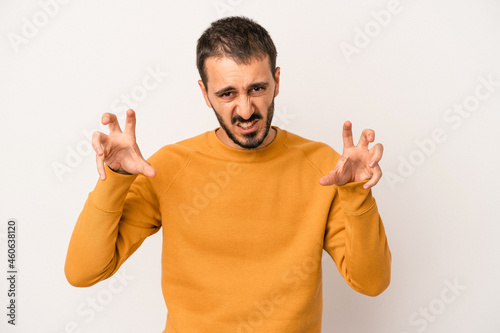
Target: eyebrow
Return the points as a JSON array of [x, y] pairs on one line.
[[230, 88]]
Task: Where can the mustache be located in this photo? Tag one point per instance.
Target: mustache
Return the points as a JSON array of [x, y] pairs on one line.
[[253, 117]]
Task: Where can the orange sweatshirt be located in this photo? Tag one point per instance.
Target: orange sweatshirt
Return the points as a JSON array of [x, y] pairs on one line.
[[243, 233]]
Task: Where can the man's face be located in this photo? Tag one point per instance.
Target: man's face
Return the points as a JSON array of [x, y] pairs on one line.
[[242, 97]]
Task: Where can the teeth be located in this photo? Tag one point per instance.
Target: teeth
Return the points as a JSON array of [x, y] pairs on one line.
[[247, 125]]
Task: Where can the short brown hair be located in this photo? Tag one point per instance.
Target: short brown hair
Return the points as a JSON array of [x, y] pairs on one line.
[[235, 37]]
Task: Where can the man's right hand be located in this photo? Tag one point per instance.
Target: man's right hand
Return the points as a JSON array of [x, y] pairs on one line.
[[119, 149]]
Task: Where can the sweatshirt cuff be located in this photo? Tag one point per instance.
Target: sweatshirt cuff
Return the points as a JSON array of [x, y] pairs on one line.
[[109, 195], [354, 198]]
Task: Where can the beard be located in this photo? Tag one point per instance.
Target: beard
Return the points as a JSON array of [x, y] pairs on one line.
[[251, 140]]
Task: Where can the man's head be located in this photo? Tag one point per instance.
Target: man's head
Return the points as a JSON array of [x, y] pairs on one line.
[[236, 59]]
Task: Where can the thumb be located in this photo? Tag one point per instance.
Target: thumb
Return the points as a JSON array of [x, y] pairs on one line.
[[147, 169], [329, 179], [337, 175]]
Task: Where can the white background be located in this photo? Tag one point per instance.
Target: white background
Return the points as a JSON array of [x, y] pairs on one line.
[[438, 202]]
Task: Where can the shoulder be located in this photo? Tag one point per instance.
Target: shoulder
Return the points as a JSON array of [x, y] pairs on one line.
[[317, 153], [180, 151], [172, 158]]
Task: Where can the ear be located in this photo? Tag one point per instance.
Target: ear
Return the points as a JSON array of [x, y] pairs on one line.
[[277, 80], [205, 93]]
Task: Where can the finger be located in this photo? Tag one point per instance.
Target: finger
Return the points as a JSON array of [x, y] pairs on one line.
[[329, 179], [130, 123], [100, 166], [376, 153], [367, 136], [111, 120], [97, 140], [377, 174], [148, 169], [334, 176], [347, 134]]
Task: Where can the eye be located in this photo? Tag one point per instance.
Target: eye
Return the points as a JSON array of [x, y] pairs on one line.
[[227, 94], [257, 90]]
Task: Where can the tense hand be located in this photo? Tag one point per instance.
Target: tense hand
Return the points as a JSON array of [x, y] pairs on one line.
[[357, 162], [119, 149]]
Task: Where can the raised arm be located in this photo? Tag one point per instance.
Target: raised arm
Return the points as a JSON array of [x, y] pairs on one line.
[[119, 213], [355, 237]]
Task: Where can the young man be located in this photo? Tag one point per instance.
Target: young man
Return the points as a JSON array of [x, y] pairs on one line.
[[245, 210]]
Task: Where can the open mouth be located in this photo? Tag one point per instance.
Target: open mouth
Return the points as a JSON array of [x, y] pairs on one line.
[[249, 126]]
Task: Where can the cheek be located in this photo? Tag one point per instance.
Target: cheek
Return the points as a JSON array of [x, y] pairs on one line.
[[225, 110], [263, 103]]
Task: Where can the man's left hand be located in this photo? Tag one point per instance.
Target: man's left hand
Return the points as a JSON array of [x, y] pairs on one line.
[[357, 163]]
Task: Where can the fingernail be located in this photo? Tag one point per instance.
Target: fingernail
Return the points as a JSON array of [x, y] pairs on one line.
[[372, 164], [366, 186]]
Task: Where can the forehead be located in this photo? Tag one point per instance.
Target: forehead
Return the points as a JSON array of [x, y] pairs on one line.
[[224, 71]]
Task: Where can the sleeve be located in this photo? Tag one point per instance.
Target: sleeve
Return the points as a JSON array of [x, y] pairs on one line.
[[118, 215], [355, 239]]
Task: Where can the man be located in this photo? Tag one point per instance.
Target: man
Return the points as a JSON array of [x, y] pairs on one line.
[[246, 209]]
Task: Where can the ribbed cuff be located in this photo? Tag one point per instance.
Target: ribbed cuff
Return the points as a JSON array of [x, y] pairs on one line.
[[354, 198], [109, 195]]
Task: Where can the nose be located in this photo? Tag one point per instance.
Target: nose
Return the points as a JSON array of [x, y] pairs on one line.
[[244, 107]]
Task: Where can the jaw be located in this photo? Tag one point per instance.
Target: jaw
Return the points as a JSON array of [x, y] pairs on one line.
[[247, 138], [237, 137]]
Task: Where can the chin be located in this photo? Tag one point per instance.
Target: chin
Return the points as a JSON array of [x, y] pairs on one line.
[[250, 140], [250, 143]]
